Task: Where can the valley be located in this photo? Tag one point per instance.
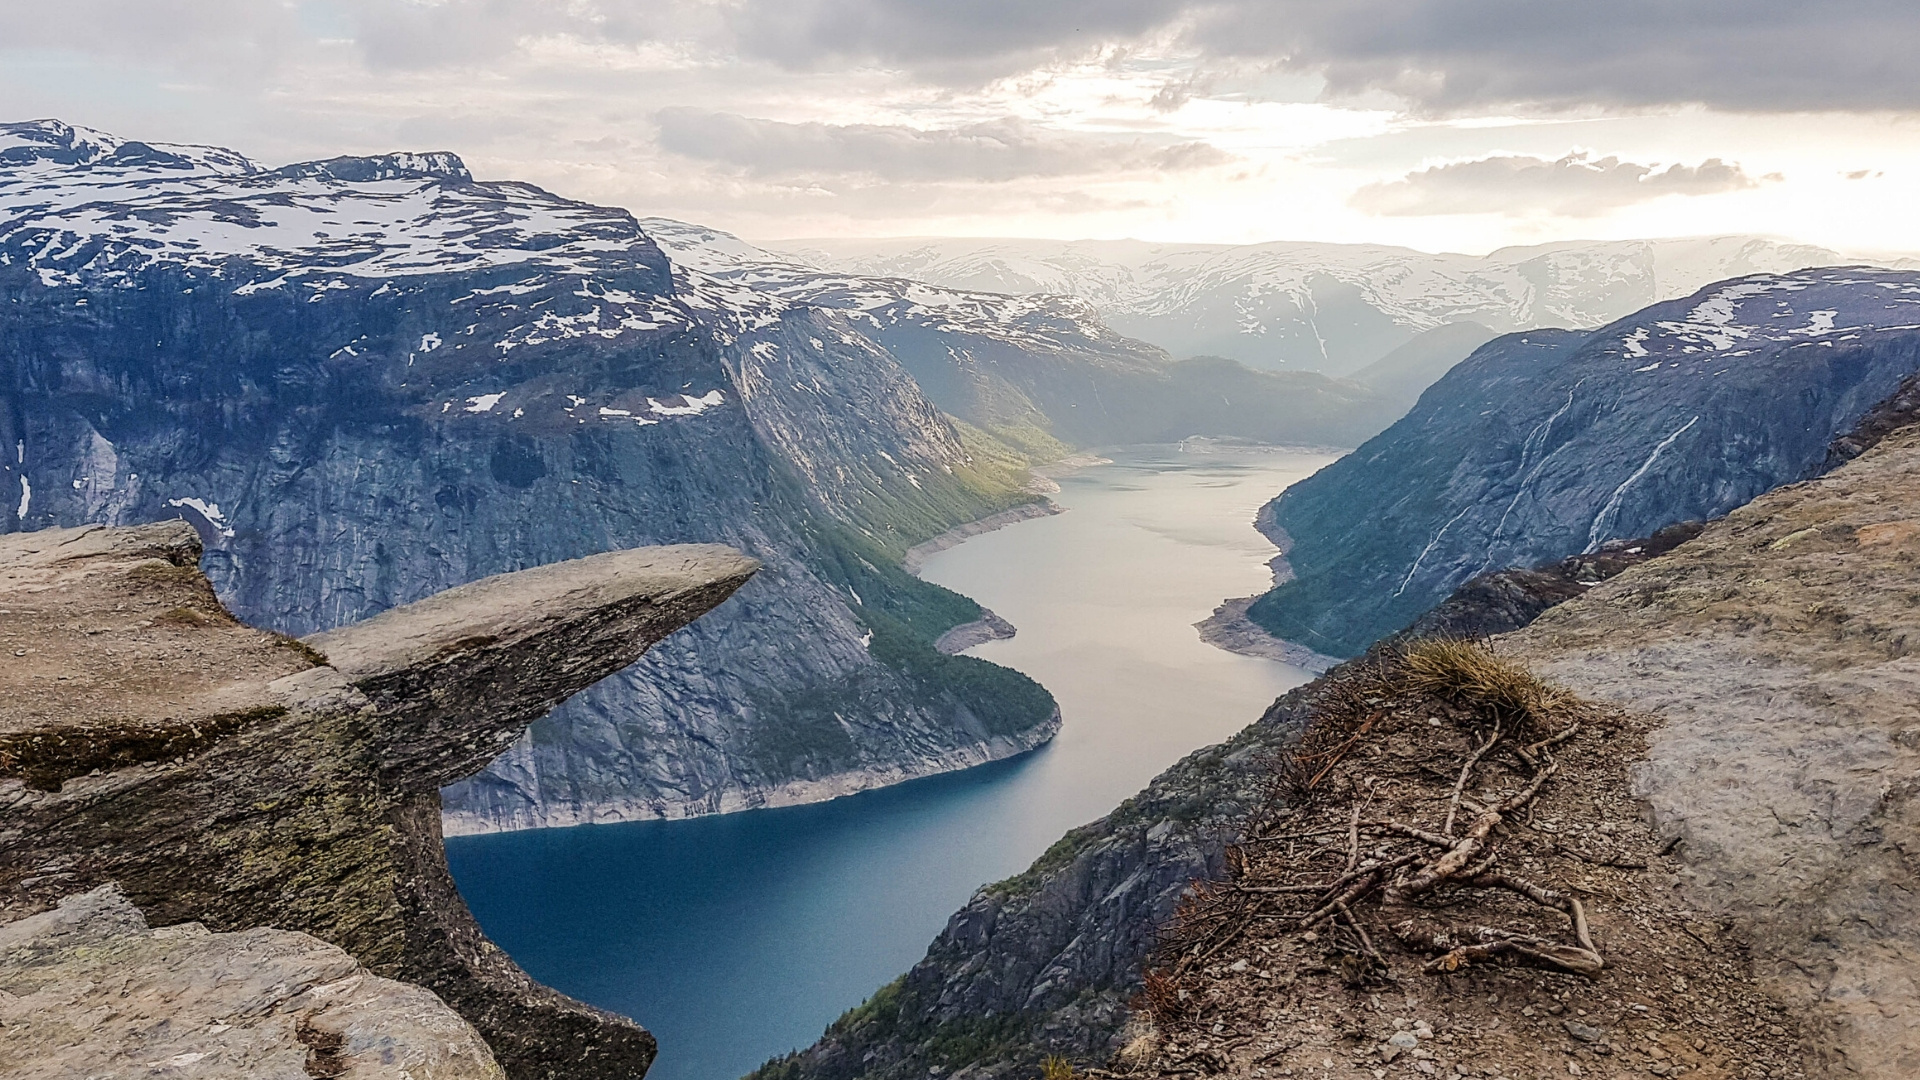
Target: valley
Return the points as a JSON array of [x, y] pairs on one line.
[[738, 938], [580, 628]]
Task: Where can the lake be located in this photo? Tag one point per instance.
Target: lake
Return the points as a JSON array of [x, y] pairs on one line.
[[740, 937]]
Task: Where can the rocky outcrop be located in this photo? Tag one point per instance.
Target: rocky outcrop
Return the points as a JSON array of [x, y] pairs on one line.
[[460, 378], [91, 990], [1776, 652], [1507, 600], [1766, 666], [227, 776], [1550, 443]]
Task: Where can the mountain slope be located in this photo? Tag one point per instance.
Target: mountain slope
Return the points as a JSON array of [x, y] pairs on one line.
[[1760, 819], [1039, 368], [1545, 444], [1333, 308], [366, 380]]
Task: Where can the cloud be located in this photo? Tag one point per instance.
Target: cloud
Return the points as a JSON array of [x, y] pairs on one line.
[[996, 151], [1439, 55], [1458, 55], [1573, 186]]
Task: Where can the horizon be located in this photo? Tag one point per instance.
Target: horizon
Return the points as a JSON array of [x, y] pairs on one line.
[[1453, 126], [778, 244]]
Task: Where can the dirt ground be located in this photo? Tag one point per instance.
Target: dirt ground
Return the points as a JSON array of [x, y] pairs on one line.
[[1260, 978]]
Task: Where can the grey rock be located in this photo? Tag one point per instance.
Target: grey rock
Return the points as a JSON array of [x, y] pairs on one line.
[[1584, 1032], [87, 989], [224, 775]]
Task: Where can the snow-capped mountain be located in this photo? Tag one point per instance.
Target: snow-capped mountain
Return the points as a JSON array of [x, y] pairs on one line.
[[366, 380], [1551, 443], [1043, 363], [1326, 307]]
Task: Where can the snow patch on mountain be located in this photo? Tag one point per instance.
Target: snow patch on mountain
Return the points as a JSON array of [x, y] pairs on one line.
[[82, 205]]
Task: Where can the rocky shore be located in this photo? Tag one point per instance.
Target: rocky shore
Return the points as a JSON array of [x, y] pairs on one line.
[[1229, 628]]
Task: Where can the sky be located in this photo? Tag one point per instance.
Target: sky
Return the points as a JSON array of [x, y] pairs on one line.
[[1459, 125]]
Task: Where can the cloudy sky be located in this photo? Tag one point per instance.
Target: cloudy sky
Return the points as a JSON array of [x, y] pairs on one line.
[[1440, 124]]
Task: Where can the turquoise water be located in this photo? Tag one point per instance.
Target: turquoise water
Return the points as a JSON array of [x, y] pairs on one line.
[[739, 937]]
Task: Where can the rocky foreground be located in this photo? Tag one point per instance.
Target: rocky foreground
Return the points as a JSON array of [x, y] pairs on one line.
[[272, 805], [1734, 815]]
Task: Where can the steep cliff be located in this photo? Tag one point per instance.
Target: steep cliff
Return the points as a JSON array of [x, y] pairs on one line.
[[1550, 443], [227, 776], [1743, 840], [365, 380]]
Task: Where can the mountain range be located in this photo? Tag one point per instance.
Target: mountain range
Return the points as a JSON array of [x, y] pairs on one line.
[[1331, 308], [1555, 442], [365, 380]]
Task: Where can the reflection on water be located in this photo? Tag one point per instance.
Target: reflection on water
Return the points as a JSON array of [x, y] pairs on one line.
[[739, 937]]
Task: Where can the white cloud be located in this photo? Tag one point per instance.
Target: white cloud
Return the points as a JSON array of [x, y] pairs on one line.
[[1576, 185]]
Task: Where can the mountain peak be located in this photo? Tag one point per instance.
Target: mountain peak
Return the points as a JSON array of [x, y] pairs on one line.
[[435, 165]]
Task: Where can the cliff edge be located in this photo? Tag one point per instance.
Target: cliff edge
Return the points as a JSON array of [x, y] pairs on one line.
[[222, 775], [1728, 789]]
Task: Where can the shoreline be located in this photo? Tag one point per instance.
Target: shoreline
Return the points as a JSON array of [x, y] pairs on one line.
[[735, 800], [918, 554], [1229, 628]]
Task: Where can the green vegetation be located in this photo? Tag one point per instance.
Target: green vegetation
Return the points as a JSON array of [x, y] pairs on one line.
[[889, 1015]]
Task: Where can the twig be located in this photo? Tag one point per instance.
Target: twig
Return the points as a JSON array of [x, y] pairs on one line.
[[1418, 834], [1365, 941], [1623, 864], [1353, 832], [1528, 752], [1460, 785]]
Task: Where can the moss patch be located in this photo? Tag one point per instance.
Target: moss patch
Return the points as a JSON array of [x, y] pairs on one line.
[[49, 758]]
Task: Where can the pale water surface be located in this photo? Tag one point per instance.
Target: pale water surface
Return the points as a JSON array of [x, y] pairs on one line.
[[739, 937]]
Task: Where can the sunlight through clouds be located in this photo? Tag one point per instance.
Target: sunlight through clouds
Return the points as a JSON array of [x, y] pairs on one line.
[[1218, 122]]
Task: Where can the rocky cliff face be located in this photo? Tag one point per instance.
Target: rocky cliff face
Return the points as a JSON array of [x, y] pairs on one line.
[[366, 380], [1550, 443], [1764, 665], [223, 775]]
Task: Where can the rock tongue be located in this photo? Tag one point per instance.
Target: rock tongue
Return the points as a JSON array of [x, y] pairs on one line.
[[319, 814], [458, 675]]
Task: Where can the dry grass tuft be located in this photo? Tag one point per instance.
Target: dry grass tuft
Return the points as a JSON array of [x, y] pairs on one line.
[[1469, 673]]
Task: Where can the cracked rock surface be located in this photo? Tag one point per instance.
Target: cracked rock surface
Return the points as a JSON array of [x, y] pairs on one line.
[[88, 989]]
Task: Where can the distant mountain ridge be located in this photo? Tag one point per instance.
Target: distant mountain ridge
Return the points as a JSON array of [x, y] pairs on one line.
[[1550, 443], [1333, 308], [1041, 369]]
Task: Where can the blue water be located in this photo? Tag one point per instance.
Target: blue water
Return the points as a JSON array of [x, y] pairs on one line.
[[740, 937]]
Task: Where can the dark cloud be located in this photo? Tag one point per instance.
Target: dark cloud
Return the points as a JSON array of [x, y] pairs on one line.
[[956, 40], [1439, 55], [1575, 186], [1442, 55], [997, 151]]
